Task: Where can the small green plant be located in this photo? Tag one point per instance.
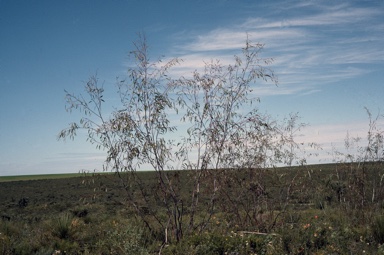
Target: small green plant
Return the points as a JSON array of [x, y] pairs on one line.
[[121, 237], [5, 244], [227, 243], [378, 229], [62, 226]]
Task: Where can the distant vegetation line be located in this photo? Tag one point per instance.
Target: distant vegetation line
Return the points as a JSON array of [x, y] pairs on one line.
[[32, 177], [38, 177], [70, 175]]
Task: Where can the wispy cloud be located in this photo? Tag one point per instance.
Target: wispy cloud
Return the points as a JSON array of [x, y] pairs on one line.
[[234, 38], [331, 44], [330, 137], [334, 15]]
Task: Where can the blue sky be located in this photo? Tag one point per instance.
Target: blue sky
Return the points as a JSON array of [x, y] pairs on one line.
[[329, 59]]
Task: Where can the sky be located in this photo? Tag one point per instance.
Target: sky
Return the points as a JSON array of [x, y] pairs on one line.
[[328, 57]]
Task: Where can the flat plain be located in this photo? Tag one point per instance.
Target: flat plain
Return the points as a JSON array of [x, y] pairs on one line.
[[306, 210]]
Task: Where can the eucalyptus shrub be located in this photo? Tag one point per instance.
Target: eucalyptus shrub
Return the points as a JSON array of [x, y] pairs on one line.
[[214, 113]]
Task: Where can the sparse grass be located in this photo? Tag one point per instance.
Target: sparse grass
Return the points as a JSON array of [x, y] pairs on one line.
[[88, 215], [62, 225], [377, 227]]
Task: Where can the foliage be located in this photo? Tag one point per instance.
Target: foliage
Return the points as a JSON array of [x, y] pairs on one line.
[[224, 130], [357, 182], [229, 243], [119, 237], [5, 245], [378, 229]]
